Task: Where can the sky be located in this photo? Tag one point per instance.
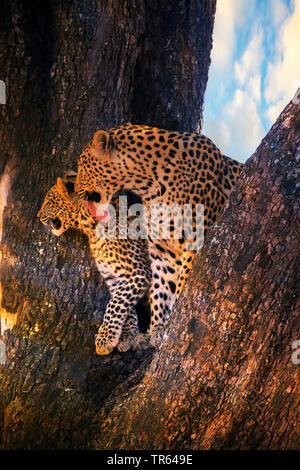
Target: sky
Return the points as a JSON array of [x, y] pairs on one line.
[[254, 72]]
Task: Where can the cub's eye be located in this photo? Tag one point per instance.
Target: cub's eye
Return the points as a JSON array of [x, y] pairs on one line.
[[92, 196], [55, 223]]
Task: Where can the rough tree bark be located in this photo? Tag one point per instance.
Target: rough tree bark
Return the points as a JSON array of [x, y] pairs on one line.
[[71, 68], [224, 377]]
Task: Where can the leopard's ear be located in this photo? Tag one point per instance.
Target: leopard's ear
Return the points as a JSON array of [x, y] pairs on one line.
[[62, 189], [103, 144]]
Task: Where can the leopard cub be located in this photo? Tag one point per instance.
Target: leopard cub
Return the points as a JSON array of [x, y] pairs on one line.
[[123, 263]]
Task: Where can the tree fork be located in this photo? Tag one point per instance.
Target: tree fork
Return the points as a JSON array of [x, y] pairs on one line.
[[71, 68], [225, 377]]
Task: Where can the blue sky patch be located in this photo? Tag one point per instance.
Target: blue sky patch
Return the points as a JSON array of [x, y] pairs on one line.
[[254, 71]]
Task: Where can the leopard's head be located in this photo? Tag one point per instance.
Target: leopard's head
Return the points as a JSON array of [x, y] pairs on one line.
[[59, 209], [121, 158]]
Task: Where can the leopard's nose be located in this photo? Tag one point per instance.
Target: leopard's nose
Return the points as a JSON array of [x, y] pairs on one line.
[[92, 196]]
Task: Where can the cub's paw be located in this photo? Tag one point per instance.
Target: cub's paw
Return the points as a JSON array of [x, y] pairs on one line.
[[125, 344], [104, 341], [141, 341], [156, 337]]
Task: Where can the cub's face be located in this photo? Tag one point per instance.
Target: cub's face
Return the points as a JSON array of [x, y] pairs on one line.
[[57, 210]]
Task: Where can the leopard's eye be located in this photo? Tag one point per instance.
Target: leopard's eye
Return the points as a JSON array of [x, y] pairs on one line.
[[92, 196]]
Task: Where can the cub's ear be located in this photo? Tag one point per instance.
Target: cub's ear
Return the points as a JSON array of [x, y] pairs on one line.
[[103, 143], [69, 180], [61, 188], [70, 175]]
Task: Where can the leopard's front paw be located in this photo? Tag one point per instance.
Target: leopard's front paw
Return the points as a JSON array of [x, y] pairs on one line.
[[105, 342], [156, 336]]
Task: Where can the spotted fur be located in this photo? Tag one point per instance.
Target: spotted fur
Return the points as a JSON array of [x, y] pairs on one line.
[[124, 264], [162, 167]]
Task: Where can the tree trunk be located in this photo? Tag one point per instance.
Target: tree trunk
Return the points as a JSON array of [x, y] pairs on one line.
[[71, 68], [227, 373]]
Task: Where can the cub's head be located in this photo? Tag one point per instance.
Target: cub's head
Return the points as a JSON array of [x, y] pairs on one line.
[[59, 209]]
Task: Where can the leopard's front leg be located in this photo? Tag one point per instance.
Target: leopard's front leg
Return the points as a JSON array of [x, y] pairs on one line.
[[130, 331], [116, 312], [120, 312]]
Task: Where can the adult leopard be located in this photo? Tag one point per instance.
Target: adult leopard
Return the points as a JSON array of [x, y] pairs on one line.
[[162, 167]]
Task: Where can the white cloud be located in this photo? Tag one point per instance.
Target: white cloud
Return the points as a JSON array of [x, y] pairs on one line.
[[279, 11], [251, 60], [229, 15], [273, 111], [283, 73], [218, 131], [239, 129], [245, 123], [254, 85]]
